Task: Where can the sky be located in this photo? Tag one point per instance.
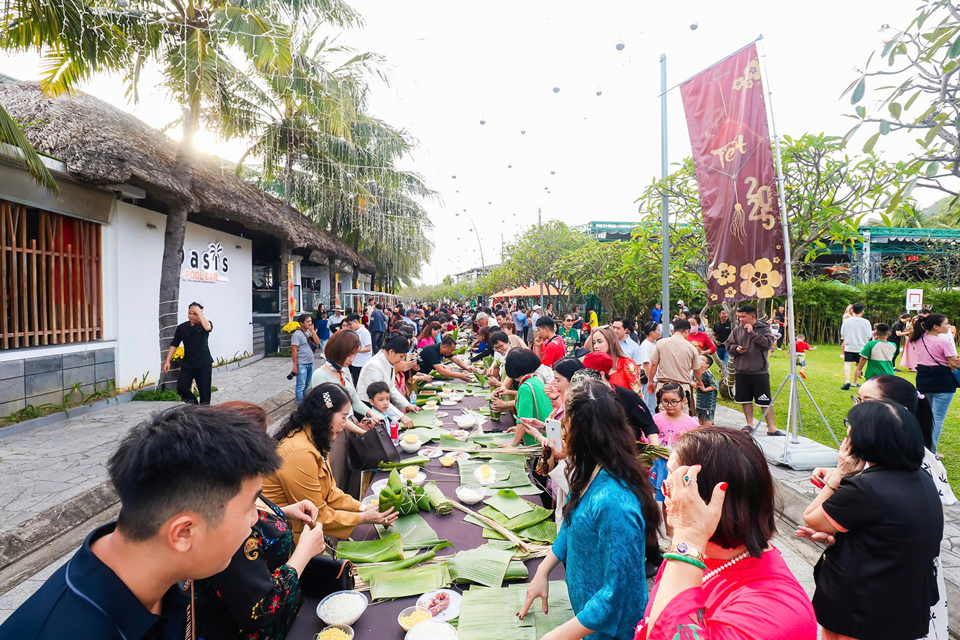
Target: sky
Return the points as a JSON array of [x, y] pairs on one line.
[[583, 156]]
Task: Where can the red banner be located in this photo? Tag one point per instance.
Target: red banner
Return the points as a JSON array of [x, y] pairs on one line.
[[727, 121]]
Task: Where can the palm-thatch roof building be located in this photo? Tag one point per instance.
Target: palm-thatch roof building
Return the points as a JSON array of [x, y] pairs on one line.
[[73, 268]]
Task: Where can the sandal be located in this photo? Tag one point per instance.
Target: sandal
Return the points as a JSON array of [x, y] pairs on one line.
[[776, 433], [749, 430]]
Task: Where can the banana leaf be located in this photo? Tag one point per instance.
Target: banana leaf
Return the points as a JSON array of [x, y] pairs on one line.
[[459, 351], [440, 503], [368, 571], [483, 565], [414, 532], [425, 418], [426, 434], [487, 361], [404, 498], [509, 503], [516, 570], [545, 531], [386, 549], [416, 460], [456, 333], [650, 453], [491, 613], [522, 521], [482, 378], [511, 474], [449, 442], [409, 582]]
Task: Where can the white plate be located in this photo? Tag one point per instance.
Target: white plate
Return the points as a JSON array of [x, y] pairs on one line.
[[459, 455], [430, 452], [452, 610], [442, 414], [448, 403], [377, 486], [418, 479]]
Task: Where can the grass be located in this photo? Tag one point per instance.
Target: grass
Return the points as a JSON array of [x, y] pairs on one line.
[[824, 378], [169, 395]]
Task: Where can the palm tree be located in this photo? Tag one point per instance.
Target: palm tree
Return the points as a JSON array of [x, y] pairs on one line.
[[10, 133], [192, 42]]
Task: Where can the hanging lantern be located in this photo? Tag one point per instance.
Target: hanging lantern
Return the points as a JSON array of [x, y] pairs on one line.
[[556, 89], [620, 46]]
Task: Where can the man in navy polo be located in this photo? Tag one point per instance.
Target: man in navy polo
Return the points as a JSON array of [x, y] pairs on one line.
[[188, 480]]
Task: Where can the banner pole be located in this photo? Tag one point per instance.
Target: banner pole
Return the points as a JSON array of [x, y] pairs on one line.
[[793, 408], [664, 204]]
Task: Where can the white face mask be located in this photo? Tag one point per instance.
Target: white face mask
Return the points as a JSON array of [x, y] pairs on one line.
[[694, 330]]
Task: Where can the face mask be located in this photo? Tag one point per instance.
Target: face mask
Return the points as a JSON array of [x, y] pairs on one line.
[[694, 330]]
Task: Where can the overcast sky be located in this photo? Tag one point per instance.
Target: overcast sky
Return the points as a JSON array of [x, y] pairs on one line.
[[453, 64]]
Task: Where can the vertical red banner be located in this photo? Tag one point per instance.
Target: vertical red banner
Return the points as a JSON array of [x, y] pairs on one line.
[[727, 120]]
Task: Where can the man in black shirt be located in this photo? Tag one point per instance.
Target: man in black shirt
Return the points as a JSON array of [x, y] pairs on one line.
[[197, 363], [430, 359], [780, 319], [721, 331], [188, 480]]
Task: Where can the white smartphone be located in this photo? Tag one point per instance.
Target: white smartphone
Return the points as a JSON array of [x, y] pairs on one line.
[[554, 435]]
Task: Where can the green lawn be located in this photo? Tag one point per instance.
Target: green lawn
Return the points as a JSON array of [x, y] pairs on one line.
[[824, 378]]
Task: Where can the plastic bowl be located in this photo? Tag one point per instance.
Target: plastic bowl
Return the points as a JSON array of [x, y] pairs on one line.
[[460, 434], [434, 622], [347, 629], [404, 477], [409, 611], [410, 448], [480, 490], [446, 395], [348, 623], [430, 404]]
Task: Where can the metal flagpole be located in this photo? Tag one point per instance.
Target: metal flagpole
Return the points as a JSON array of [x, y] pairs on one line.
[[665, 203], [540, 222], [793, 408]]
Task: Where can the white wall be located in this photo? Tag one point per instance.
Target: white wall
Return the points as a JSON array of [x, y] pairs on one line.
[[132, 259]]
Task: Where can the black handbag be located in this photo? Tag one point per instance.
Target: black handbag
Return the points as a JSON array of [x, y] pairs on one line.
[[367, 451], [324, 575]]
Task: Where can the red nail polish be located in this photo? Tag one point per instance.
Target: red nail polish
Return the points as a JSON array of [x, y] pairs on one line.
[[723, 486]]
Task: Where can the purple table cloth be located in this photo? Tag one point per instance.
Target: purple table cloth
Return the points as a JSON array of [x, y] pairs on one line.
[[379, 621]]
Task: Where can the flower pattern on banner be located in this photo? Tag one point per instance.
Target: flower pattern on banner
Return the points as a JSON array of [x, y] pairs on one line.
[[725, 274], [759, 280]]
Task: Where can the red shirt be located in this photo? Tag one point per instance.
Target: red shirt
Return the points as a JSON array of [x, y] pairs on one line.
[[703, 341], [552, 350], [802, 346]]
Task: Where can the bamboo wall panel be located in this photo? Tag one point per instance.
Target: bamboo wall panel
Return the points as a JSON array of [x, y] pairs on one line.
[[51, 287]]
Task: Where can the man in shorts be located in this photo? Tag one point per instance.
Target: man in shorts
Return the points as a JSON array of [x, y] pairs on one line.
[[854, 333], [749, 344]]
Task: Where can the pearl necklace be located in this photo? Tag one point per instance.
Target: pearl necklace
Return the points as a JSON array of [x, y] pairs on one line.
[[726, 565]]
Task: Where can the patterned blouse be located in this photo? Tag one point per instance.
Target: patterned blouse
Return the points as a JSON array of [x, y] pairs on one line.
[[258, 595]]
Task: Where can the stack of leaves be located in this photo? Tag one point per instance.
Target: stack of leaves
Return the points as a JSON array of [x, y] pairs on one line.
[[491, 613], [387, 549], [511, 474], [440, 503], [409, 462], [425, 418], [449, 442], [368, 571], [426, 434], [414, 532], [650, 453], [403, 498], [409, 582], [529, 521], [483, 565]]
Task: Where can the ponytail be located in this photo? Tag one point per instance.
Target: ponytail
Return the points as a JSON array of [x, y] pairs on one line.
[[923, 325]]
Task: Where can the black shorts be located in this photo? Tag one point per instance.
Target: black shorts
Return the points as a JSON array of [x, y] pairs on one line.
[[851, 356], [753, 388]]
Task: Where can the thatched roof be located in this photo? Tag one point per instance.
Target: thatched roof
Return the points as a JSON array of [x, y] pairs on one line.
[[103, 145]]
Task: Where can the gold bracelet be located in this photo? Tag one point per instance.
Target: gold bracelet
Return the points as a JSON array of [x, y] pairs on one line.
[[829, 486]]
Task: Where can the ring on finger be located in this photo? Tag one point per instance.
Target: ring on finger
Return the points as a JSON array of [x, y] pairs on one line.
[[686, 480]]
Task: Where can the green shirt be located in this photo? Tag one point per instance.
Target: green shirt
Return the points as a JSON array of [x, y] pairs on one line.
[[879, 355], [569, 334], [532, 402]]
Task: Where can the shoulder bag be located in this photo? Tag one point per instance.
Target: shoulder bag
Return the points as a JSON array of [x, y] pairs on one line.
[[324, 575], [368, 450], [954, 372]]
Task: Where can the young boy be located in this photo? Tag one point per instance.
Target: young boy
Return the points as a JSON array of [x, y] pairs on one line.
[[379, 394], [802, 348], [707, 396], [323, 330], [188, 480], [877, 355]]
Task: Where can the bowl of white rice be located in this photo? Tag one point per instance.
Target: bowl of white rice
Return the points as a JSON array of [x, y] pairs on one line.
[[342, 607], [432, 630]]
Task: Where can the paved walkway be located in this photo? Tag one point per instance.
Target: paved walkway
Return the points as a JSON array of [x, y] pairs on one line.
[[45, 467]]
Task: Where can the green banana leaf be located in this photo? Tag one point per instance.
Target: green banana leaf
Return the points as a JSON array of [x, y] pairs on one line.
[[483, 565], [387, 549], [425, 418], [404, 498], [509, 503], [427, 434], [456, 333], [440, 503], [368, 571], [409, 582], [545, 531], [449, 442], [409, 462], [414, 532]]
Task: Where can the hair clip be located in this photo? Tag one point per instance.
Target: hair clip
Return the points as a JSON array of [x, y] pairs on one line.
[[327, 400]]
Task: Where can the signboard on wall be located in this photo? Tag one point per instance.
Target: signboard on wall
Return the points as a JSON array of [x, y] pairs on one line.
[[211, 266], [291, 298], [914, 299]]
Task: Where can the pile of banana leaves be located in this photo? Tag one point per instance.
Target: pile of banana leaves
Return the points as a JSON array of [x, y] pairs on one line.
[[403, 498]]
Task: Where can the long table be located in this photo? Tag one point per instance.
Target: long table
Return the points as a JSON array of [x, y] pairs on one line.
[[379, 621]]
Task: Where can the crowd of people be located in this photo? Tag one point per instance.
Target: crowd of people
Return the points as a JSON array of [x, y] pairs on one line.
[[221, 525]]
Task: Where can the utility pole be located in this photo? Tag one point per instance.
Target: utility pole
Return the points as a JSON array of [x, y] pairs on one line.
[[665, 202], [539, 223]]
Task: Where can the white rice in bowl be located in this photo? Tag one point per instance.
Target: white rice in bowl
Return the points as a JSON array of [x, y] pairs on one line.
[[343, 608], [432, 630]]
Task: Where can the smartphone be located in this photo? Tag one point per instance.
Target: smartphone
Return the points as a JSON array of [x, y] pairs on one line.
[[817, 482], [554, 436]]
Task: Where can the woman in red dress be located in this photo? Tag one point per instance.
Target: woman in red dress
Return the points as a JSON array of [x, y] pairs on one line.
[[625, 372]]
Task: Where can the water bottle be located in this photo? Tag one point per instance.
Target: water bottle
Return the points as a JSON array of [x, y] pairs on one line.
[[395, 432], [413, 398]]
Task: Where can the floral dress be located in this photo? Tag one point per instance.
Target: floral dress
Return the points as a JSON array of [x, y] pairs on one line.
[[257, 596], [627, 375]]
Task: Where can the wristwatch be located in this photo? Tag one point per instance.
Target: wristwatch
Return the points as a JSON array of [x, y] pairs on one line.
[[683, 549]]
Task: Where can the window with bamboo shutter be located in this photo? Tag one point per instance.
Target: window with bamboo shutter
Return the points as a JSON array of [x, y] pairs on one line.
[[50, 278]]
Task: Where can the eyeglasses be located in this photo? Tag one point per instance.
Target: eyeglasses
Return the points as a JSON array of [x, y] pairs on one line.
[[671, 403], [855, 400]]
